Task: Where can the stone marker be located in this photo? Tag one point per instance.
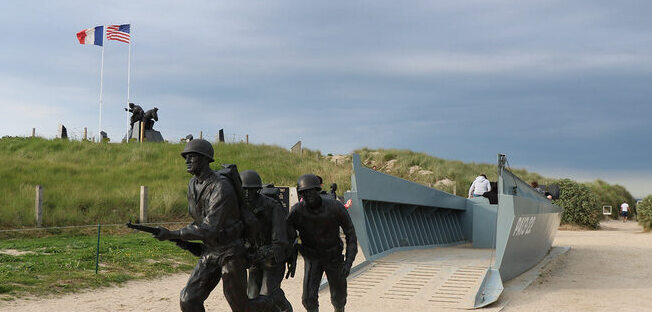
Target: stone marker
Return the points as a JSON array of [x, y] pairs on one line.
[[296, 148], [63, 133]]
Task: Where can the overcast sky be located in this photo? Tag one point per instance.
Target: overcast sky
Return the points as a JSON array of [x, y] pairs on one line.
[[562, 87]]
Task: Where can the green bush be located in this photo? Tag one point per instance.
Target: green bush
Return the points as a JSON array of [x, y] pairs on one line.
[[580, 204], [644, 210], [612, 195]]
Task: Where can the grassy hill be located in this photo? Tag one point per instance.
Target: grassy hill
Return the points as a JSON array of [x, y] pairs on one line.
[[89, 183]]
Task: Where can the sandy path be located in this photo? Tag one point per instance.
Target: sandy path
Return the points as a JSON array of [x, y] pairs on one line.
[[607, 270]]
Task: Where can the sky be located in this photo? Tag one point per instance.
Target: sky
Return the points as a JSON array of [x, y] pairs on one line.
[[561, 87]]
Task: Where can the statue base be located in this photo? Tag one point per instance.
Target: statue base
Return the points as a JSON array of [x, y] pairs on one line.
[[134, 133]]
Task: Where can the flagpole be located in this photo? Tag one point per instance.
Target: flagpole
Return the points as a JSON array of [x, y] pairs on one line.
[[99, 137], [129, 72]]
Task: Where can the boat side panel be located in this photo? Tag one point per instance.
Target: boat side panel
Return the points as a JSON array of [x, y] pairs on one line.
[[527, 228], [377, 186]]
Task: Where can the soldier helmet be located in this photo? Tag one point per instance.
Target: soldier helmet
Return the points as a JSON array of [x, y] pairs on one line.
[[250, 179], [308, 181], [199, 146]]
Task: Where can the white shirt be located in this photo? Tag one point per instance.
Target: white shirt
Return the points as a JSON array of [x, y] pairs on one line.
[[624, 207], [479, 186]]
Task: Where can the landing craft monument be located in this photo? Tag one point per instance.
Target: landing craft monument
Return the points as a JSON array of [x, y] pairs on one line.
[[449, 251]]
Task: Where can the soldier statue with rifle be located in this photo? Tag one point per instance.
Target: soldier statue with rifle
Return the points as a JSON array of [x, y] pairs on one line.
[[270, 246], [215, 206], [317, 220]]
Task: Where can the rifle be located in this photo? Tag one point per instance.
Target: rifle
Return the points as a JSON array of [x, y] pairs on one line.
[[193, 248]]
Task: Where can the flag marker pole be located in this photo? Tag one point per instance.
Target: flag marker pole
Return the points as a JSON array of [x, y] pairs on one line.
[[99, 137], [131, 31]]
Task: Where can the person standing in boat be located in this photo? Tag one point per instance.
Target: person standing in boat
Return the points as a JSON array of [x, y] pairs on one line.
[[479, 186]]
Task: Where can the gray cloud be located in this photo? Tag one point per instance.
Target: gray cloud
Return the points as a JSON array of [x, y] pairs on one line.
[[554, 84]]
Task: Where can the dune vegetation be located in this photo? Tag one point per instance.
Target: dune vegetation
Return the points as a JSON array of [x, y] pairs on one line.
[[88, 183]]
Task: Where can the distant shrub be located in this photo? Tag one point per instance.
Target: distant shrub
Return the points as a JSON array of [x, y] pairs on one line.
[[388, 157], [612, 195], [644, 211], [580, 204]]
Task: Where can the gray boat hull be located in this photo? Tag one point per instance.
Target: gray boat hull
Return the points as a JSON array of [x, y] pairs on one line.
[[392, 214]]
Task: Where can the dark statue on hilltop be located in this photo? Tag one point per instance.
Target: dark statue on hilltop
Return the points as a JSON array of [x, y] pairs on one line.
[[150, 117], [317, 220], [146, 118], [269, 249], [137, 114], [216, 205]]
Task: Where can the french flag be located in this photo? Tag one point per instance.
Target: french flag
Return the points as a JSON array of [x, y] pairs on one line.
[[93, 35]]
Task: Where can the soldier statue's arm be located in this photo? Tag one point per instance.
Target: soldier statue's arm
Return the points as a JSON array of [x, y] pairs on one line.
[[292, 239], [221, 203], [351, 239]]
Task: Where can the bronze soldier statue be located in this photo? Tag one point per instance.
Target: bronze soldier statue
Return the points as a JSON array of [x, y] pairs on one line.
[[137, 114], [214, 206], [318, 220], [270, 246], [149, 118]]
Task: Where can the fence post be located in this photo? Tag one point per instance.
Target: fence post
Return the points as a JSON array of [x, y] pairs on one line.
[[85, 133], [33, 132], [142, 132], [247, 136], [39, 205], [97, 252], [143, 204], [455, 188], [201, 135]]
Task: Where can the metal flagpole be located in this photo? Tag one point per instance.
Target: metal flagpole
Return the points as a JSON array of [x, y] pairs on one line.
[[131, 31], [99, 137]]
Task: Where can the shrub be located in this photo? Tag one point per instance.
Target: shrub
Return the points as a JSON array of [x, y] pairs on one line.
[[644, 213], [580, 204]]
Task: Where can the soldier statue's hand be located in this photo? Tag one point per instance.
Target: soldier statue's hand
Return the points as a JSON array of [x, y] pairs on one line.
[[292, 268], [163, 234], [346, 269]]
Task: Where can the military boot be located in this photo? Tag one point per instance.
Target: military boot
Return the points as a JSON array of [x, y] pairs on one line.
[[282, 304]]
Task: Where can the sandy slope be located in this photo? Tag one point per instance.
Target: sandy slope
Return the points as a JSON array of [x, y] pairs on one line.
[[606, 270]]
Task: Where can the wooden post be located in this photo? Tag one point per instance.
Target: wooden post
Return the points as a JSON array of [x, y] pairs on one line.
[[85, 133], [39, 205], [454, 188], [201, 135], [142, 131], [247, 136], [33, 132], [143, 204]]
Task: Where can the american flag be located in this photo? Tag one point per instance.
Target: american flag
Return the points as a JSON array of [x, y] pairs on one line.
[[118, 32]]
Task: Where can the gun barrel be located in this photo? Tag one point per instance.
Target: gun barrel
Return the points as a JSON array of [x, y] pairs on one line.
[[143, 228]]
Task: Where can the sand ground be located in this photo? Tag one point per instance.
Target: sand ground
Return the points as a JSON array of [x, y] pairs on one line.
[[606, 270]]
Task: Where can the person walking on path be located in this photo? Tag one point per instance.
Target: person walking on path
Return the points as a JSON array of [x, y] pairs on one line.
[[624, 211], [479, 186]]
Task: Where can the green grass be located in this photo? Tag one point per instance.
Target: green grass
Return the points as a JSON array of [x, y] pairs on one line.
[[89, 183], [66, 263]]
